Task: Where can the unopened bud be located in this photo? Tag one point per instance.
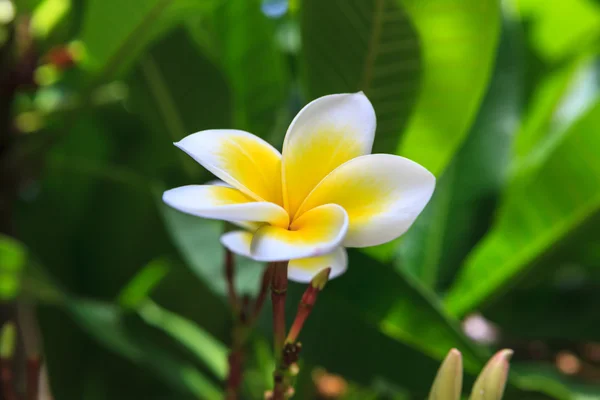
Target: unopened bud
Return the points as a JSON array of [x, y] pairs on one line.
[[448, 381], [8, 336], [492, 380], [319, 281]]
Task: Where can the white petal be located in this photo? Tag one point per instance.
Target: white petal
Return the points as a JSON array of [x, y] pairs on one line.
[[228, 204], [326, 133], [304, 269], [382, 194], [316, 232], [299, 270], [239, 158], [238, 242]]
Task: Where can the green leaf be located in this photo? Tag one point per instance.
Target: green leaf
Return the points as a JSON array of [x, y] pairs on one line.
[[177, 91], [255, 65], [209, 350], [404, 323], [516, 312], [544, 378], [465, 195], [458, 41], [105, 323], [540, 211], [139, 288], [559, 29], [115, 32], [198, 242], [368, 45], [13, 259], [560, 96]]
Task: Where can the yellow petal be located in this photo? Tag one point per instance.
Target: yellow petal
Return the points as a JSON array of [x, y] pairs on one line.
[[304, 269], [225, 203], [326, 133], [382, 194], [239, 158], [316, 232]]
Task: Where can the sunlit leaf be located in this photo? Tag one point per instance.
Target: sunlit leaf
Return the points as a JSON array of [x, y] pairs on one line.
[[458, 41], [540, 211], [558, 29], [466, 193]]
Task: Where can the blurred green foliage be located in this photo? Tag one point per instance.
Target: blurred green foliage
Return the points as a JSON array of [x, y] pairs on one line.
[[497, 99]]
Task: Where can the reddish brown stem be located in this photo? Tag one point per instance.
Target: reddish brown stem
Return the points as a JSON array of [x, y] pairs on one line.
[[234, 377], [279, 285], [229, 276], [262, 294], [33, 378], [7, 380]]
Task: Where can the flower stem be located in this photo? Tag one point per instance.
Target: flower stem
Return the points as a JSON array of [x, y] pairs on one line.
[[262, 294], [278, 292], [236, 354], [7, 379], [229, 276], [33, 377], [279, 285]]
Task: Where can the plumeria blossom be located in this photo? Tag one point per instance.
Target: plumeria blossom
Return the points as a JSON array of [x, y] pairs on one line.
[[324, 193]]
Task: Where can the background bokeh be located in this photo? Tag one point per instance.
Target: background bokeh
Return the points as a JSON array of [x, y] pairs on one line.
[[125, 298]]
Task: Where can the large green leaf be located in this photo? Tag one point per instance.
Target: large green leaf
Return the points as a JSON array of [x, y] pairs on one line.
[[115, 32], [465, 195], [540, 211], [558, 98], [458, 41], [198, 241], [255, 65], [559, 29], [372, 316], [368, 45], [177, 91]]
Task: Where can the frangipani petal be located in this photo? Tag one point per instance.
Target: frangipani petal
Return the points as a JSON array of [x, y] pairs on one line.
[[326, 133], [251, 226], [228, 204], [238, 242], [382, 194], [299, 270], [239, 158], [316, 232], [304, 269]]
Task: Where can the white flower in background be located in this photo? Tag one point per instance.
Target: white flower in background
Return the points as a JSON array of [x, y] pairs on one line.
[[325, 192]]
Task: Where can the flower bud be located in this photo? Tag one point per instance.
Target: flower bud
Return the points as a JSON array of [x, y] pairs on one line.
[[448, 381], [319, 281], [492, 380]]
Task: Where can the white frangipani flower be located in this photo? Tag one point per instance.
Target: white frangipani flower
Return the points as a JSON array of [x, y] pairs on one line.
[[325, 192]]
